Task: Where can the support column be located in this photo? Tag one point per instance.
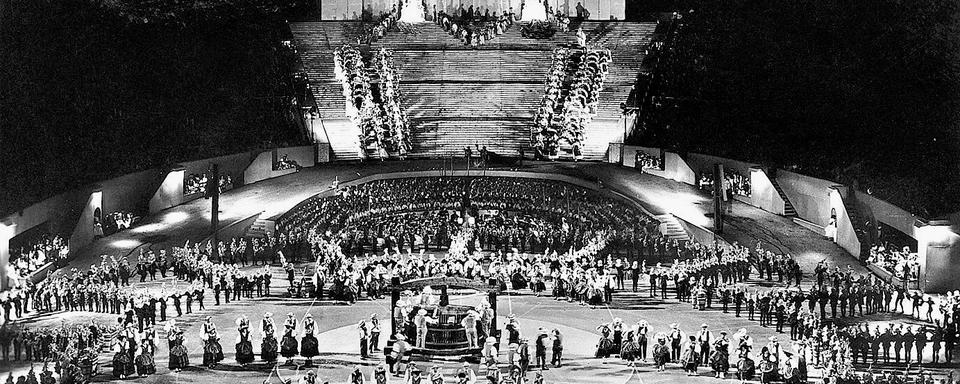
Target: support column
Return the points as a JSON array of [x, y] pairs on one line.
[[394, 299], [6, 233], [492, 298]]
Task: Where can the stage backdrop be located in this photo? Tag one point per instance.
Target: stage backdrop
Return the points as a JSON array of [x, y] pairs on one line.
[[352, 9]]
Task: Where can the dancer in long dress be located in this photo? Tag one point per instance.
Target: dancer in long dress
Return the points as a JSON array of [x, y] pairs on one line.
[[689, 358], [244, 346], [212, 351], [268, 347], [123, 365], [178, 353], [605, 345], [720, 359], [144, 362], [661, 352], [288, 346], [309, 347]]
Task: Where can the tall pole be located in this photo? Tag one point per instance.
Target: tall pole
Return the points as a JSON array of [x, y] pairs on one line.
[[213, 191]]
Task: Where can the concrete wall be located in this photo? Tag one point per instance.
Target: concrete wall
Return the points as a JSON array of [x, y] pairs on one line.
[[846, 235], [83, 232], [939, 254], [810, 196], [306, 156], [130, 193], [763, 195], [261, 168], [6, 232], [890, 214], [170, 192]]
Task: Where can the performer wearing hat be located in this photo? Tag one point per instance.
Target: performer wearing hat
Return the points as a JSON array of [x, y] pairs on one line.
[[661, 352], [605, 345], [212, 351], [144, 361], [178, 353], [720, 360], [704, 338], [689, 358], [436, 377], [288, 345], [309, 347], [364, 339], [244, 346], [357, 376], [540, 348], [746, 368], [399, 354], [268, 347], [557, 348], [374, 333], [641, 336], [380, 374], [309, 378], [469, 324], [123, 365], [676, 338]]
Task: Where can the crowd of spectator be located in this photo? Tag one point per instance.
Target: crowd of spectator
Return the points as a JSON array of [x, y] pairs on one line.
[[647, 161], [902, 263], [196, 183], [284, 162], [27, 259], [734, 183], [118, 221]]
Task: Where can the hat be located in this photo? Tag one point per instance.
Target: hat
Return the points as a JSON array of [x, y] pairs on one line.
[[268, 314], [401, 337], [673, 325], [723, 332], [308, 315], [704, 325], [290, 314], [542, 331], [373, 316]]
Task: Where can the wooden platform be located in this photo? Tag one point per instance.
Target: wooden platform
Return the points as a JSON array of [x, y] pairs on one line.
[[456, 95]]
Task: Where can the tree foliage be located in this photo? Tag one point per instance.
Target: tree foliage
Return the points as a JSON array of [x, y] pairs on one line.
[[865, 93]]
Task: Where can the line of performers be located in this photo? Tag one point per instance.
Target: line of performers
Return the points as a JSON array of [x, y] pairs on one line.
[[127, 362], [690, 351]]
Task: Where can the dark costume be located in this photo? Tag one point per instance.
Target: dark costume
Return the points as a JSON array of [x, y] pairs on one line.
[[212, 351], [244, 346]]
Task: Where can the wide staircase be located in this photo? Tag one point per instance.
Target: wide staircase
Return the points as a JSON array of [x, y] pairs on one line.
[[457, 96]]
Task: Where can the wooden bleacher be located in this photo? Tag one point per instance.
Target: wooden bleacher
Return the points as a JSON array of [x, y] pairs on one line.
[[457, 95]]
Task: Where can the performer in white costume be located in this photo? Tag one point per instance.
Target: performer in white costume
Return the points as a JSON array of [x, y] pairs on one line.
[[534, 10], [412, 12]]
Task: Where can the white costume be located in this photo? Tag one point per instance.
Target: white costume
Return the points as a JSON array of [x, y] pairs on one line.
[[412, 12]]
